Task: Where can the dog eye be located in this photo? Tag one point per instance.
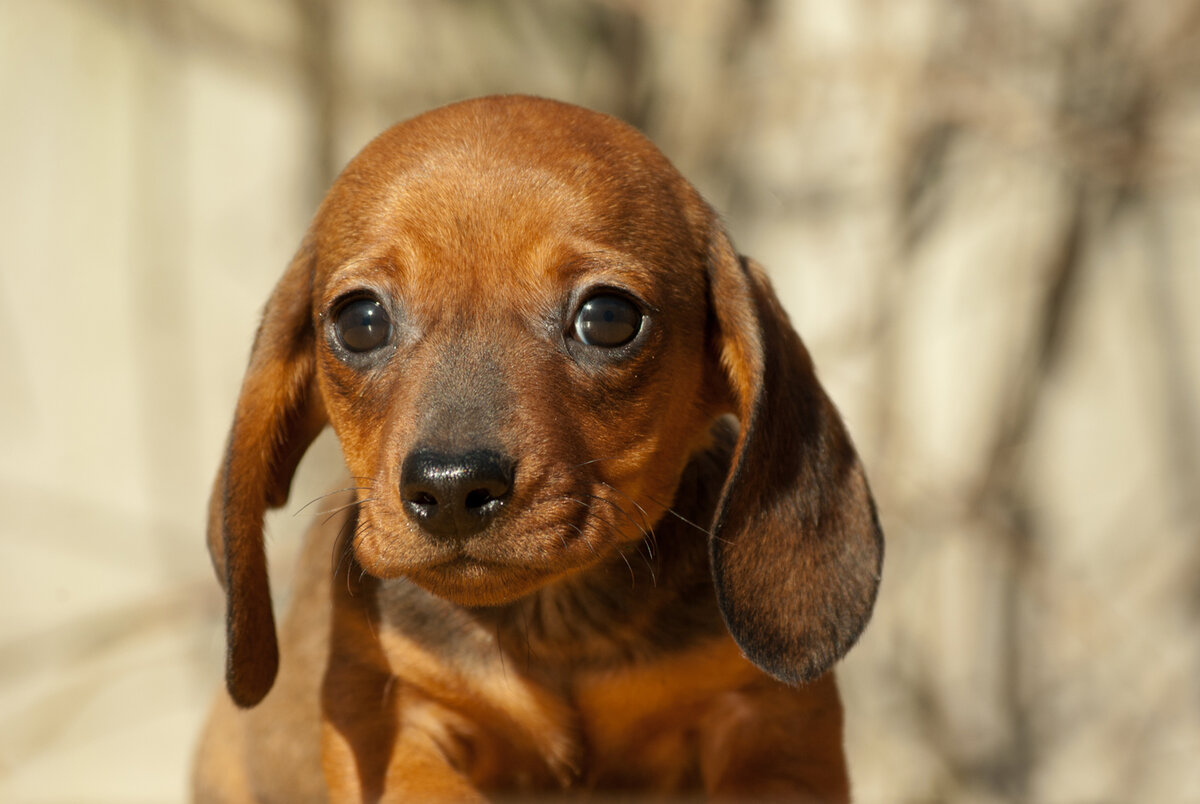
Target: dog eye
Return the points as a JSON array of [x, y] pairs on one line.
[[362, 325], [607, 320]]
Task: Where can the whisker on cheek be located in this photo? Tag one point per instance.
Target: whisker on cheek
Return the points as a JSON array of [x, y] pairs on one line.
[[649, 538], [615, 530], [632, 574], [629, 517], [345, 544], [649, 559], [335, 511], [595, 460], [669, 510], [299, 510], [582, 536], [359, 529], [640, 509]]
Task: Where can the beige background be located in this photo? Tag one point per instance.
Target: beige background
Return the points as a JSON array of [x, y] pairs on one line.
[[984, 217]]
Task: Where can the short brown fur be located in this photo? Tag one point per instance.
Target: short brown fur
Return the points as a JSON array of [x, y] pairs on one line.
[[683, 542]]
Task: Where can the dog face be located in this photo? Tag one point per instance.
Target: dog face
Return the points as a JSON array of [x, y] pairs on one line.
[[510, 338], [522, 322]]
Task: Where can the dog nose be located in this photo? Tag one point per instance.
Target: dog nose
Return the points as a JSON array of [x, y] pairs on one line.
[[455, 495]]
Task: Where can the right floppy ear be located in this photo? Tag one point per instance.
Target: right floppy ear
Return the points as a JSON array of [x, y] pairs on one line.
[[796, 546], [279, 413]]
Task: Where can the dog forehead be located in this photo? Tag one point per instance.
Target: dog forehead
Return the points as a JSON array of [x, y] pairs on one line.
[[521, 130], [512, 163]]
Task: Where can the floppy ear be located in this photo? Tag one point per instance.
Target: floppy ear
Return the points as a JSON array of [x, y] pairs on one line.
[[796, 546], [279, 413]]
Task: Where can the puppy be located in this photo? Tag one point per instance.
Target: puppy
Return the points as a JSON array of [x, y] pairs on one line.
[[606, 530]]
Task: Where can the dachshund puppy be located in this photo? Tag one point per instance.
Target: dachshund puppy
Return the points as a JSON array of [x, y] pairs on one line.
[[606, 530]]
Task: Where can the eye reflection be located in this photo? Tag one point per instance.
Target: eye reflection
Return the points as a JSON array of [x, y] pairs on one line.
[[362, 325], [608, 321]]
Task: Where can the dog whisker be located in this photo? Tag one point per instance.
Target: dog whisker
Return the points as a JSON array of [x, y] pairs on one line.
[[649, 538], [648, 531], [335, 511], [632, 574], [612, 526], [582, 536], [346, 545], [650, 562], [299, 510], [347, 552], [589, 462], [562, 540], [668, 510], [621, 511], [616, 530], [641, 510]]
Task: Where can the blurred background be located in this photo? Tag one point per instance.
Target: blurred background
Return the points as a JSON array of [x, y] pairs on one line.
[[983, 215]]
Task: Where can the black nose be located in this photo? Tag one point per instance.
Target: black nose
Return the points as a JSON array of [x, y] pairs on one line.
[[455, 495]]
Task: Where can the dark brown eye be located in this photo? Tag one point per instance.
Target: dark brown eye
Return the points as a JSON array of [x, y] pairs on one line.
[[362, 325], [607, 320]]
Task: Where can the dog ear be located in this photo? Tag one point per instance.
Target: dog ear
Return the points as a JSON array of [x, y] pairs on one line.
[[796, 545], [279, 413]]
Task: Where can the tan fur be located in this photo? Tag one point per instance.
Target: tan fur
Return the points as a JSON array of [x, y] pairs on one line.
[[650, 598]]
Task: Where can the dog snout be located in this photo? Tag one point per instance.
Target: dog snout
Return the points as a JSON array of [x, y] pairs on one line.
[[455, 495]]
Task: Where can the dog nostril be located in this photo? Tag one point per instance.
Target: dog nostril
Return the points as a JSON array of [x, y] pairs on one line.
[[478, 498], [424, 498]]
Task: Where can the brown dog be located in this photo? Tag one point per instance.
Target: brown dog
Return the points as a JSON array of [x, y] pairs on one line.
[[563, 566]]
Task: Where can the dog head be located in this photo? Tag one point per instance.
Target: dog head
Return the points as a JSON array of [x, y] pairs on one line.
[[519, 318]]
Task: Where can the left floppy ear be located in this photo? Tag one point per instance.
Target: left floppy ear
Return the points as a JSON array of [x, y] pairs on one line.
[[796, 545], [279, 413]]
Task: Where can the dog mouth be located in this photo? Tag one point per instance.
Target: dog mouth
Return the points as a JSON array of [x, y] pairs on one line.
[[510, 558], [472, 581], [467, 567], [496, 570]]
